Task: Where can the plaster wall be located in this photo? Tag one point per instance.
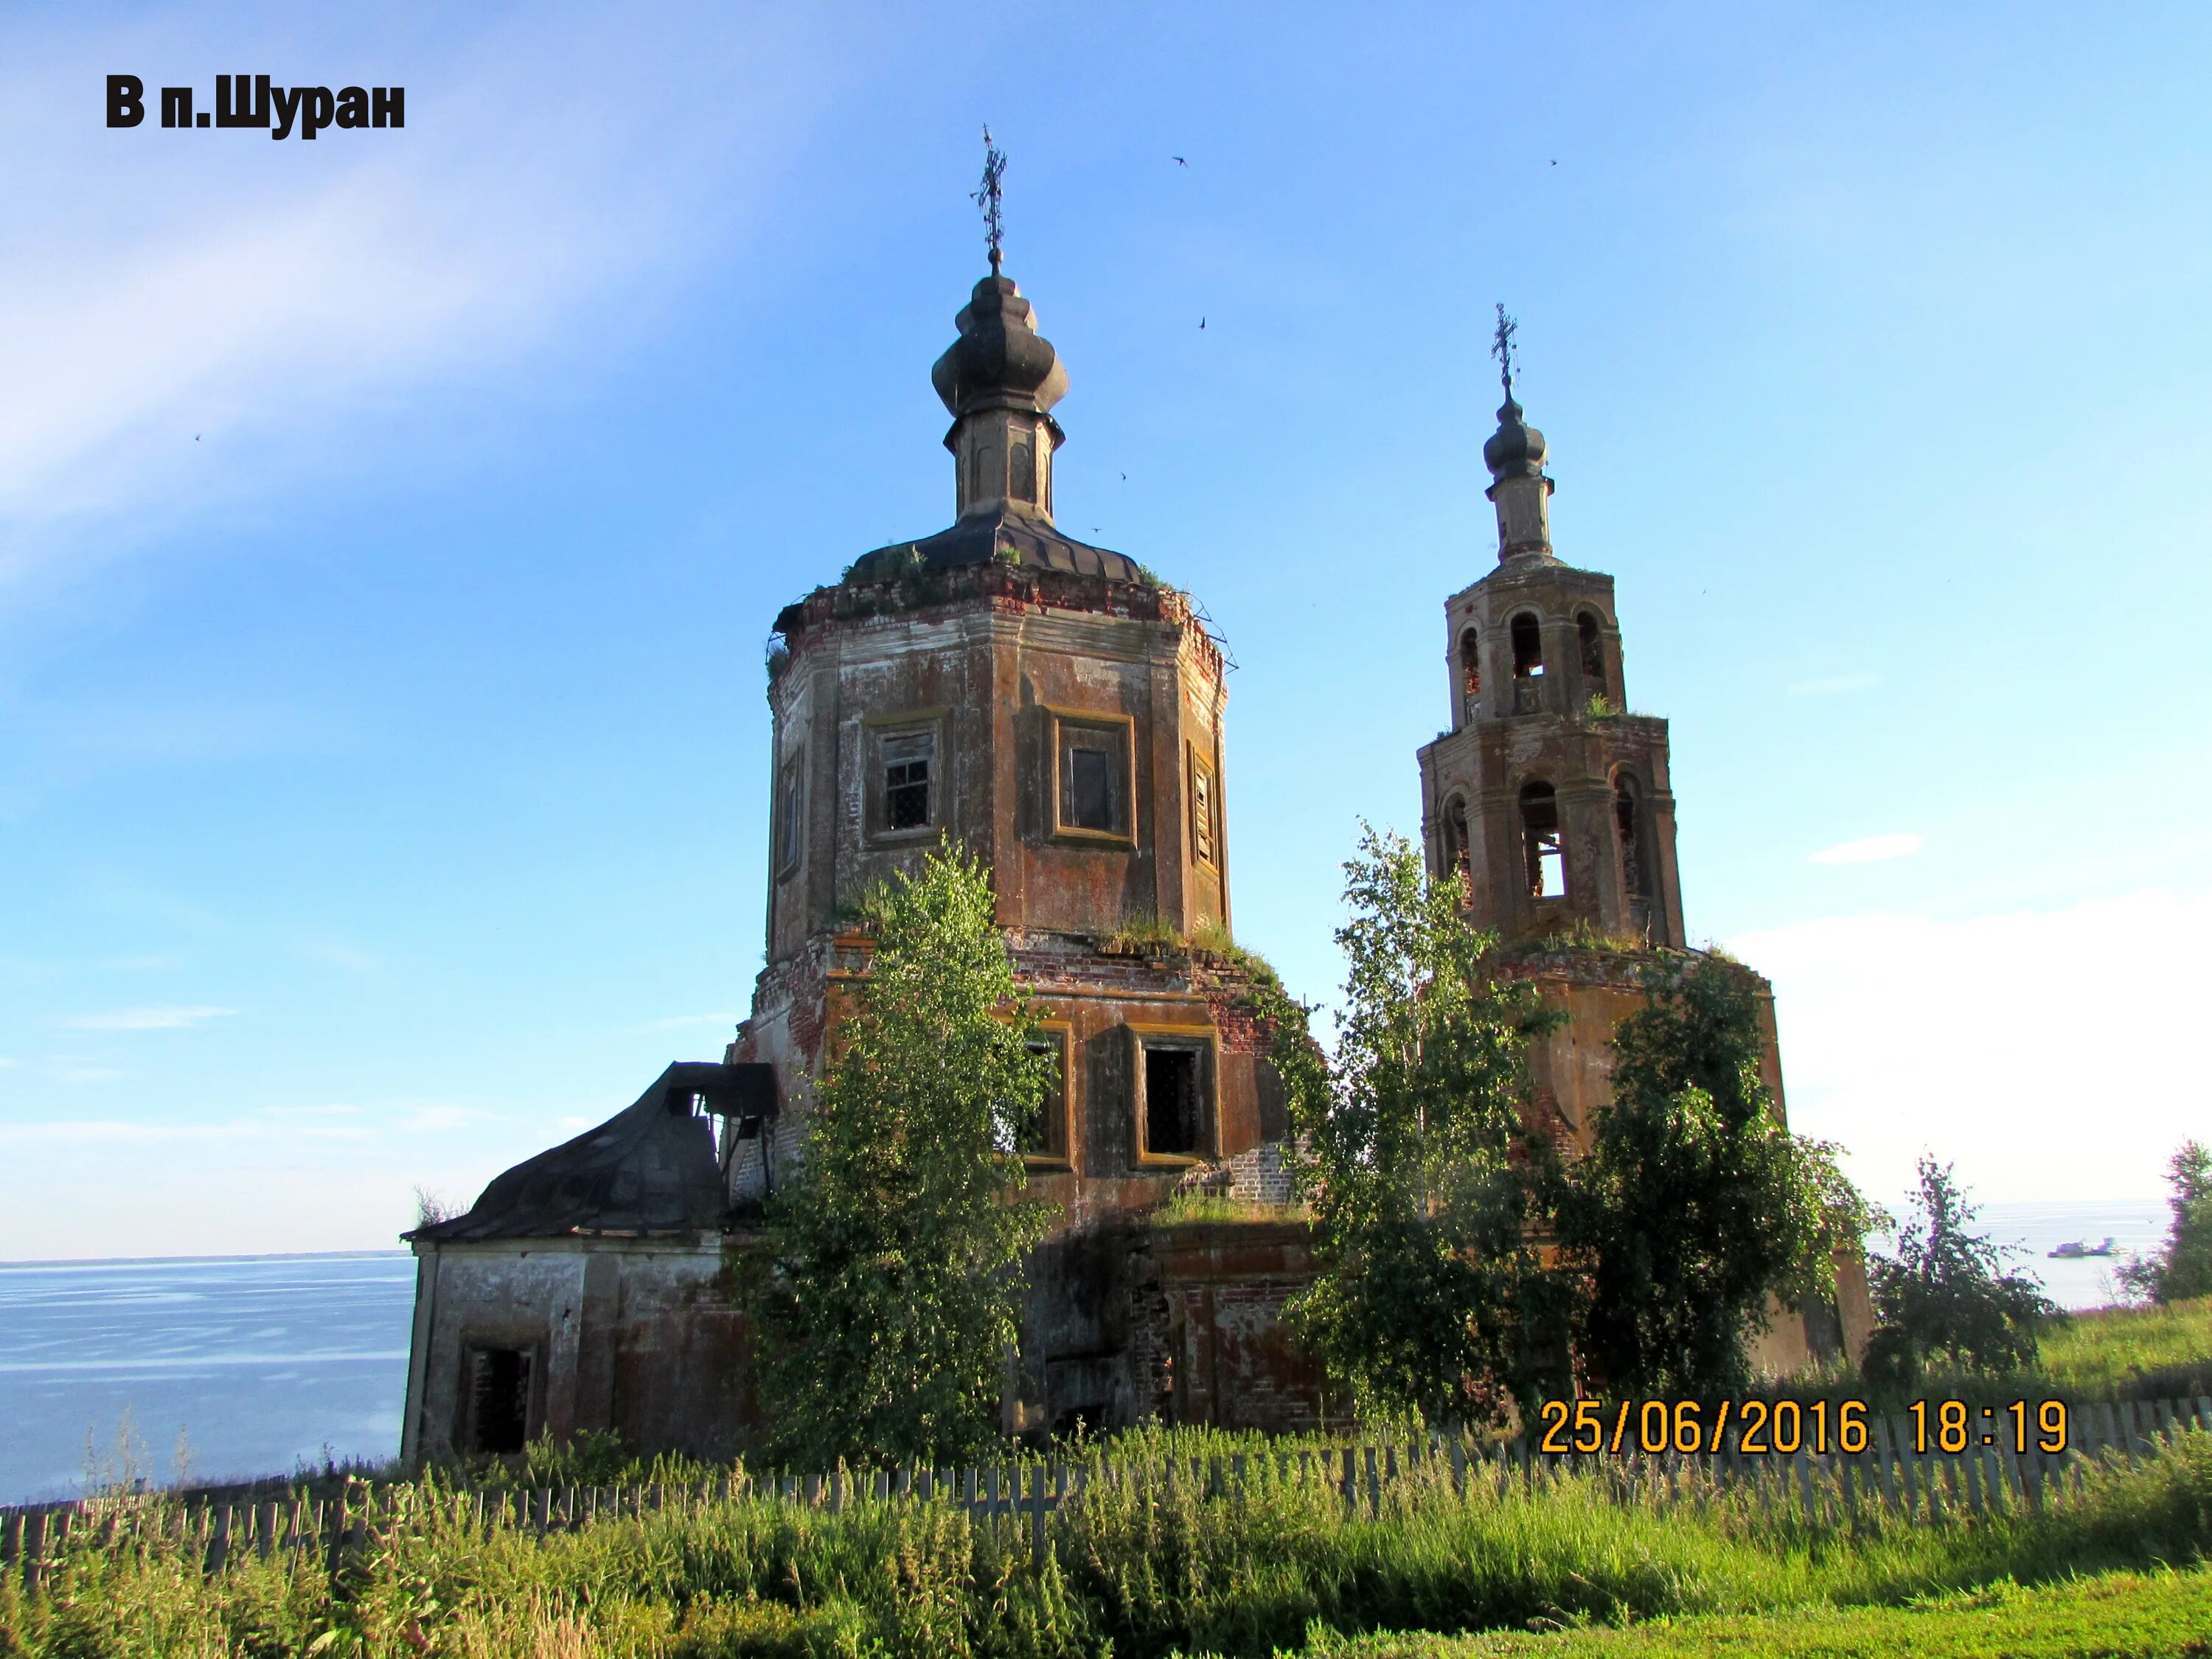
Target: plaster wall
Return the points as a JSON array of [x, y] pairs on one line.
[[634, 1336]]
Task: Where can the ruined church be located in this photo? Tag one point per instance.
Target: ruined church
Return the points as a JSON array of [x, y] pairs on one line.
[[1055, 708]]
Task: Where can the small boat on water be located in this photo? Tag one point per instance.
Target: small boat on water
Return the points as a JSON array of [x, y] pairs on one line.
[[2077, 1249]]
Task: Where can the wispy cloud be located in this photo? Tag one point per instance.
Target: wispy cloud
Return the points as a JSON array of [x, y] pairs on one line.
[[187, 326], [68, 1073], [160, 1017], [1835, 685], [1873, 849]]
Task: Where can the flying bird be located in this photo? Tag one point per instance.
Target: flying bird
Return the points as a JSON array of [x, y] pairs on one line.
[[1178, 161], [1125, 477], [1201, 322]]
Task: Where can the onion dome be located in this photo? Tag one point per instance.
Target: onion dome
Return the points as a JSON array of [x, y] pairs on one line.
[[1516, 449], [1000, 361]]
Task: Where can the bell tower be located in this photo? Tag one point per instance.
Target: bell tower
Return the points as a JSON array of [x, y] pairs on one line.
[[1547, 798]]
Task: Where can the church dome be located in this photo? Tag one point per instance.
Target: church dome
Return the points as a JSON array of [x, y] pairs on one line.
[[1000, 361], [1516, 449]]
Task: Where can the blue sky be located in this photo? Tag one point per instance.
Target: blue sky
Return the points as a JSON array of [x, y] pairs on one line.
[[390, 526]]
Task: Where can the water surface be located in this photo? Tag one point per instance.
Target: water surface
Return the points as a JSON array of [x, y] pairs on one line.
[[257, 1364]]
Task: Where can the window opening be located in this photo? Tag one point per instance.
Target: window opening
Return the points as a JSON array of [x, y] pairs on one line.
[[1039, 1132], [1627, 823], [1543, 845], [1201, 813], [1470, 670], [1458, 859], [787, 819], [1092, 782], [906, 759], [1024, 469], [1527, 647], [1172, 1116], [1593, 654], [499, 1399]]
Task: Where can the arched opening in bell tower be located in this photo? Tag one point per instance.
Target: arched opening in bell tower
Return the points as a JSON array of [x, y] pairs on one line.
[[1470, 675], [1527, 647], [1593, 644], [1543, 848], [1455, 862], [1628, 834]]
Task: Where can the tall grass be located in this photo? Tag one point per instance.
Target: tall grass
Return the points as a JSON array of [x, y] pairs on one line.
[[1149, 1566]]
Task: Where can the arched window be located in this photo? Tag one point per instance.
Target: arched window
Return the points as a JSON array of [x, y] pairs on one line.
[[1527, 647], [1470, 670], [1543, 848], [1593, 643], [1457, 860], [1628, 833]]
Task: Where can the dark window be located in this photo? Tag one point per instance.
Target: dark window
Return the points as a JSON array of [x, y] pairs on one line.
[[1457, 858], [1527, 647], [1093, 782], [1174, 1117], [1201, 813], [499, 1400], [1470, 669], [787, 819], [1628, 824], [1541, 840], [1042, 1131], [1593, 644], [907, 758], [1024, 488]]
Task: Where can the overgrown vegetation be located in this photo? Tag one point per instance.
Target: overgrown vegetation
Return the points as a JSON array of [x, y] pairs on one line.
[[2181, 1269], [1946, 1292], [1432, 1295], [1693, 1203], [1435, 1189], [1146, 1568], [895, 1286]]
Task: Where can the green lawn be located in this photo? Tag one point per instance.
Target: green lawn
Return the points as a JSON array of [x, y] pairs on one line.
[[2139, 1352], [2119, 1615]]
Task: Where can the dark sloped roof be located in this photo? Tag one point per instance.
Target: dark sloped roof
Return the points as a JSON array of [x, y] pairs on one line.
[[998, 537], [649, 1169]]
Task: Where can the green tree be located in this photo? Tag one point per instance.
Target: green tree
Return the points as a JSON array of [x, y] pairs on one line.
[[2182, 1268], [894, 1293], [1694, 1203], [1431, 1294], [1945, 1291]]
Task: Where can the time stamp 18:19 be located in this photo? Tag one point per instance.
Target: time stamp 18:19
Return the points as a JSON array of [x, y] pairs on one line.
[[1754, 1428]]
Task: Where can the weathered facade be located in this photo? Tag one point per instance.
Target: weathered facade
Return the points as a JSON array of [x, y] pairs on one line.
[[1051, 709], [1550, 804]]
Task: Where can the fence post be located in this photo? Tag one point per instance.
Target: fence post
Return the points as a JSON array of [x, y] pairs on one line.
[[1036, 1513]]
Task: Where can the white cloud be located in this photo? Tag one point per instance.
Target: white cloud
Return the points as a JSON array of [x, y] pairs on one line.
[[2045, 1052], [1834, 684], [1872, 850], [161, 1017]]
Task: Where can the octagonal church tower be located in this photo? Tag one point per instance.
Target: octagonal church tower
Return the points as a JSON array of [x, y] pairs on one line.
[[1053, 708]]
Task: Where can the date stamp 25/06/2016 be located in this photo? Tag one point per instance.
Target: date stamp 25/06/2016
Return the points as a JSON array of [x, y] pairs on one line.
[[1764, 1427]]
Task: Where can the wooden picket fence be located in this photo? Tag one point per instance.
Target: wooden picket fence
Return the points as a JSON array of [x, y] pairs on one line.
[[1888, 1478]]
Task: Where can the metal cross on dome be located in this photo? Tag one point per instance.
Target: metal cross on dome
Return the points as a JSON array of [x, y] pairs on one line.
[[1501, 347], [987, 197]]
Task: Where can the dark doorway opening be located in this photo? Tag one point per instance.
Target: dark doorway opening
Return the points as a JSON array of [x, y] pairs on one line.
[[499, 1400]]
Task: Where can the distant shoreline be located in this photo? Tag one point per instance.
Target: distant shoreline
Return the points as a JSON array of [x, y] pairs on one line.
[[396, 1253]]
